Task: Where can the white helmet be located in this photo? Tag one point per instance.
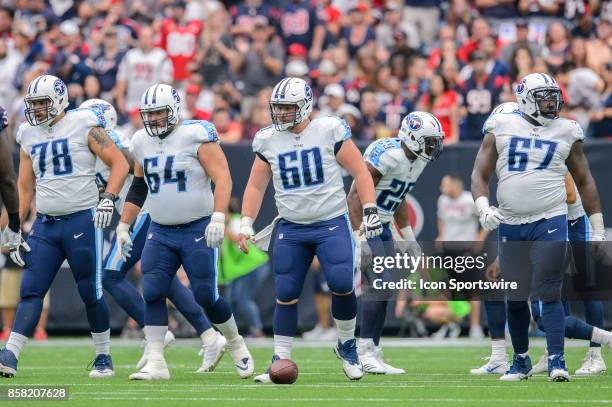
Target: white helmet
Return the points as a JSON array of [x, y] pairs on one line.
[[47, 88], [539, 97], [106, 109], [422, 134], [508, 107], [291, 91], [158, 98]]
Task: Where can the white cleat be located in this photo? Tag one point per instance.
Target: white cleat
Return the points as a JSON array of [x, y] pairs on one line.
[[347, 352], [389, 370], [155, 369], [493, 366], [102, 367], [242, 357], [369, 361], [593, 364], [542, 366], [263, 378], [212, 354], [168, 339], [559, 375]]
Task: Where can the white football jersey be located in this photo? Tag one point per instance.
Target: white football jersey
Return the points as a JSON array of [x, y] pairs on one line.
[[103, 171], [460, 217], [307, 178], [142, 70], [63, 164], [399, 174], [531, 166], [179, 188]]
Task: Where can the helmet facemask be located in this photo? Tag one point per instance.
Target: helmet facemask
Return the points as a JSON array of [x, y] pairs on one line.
[[34, 115], [431, 147], [547, 101], [285, 119], [156, 124]]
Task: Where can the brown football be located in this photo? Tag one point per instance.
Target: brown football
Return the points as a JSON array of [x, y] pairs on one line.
[[283, 371]]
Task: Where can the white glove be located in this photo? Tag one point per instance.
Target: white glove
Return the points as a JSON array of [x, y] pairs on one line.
[[408, 243], [362, 250], [215, 231], [371, 223], [104, 211], [124, 240], [246, 227], [598, 231], [489, 216], [14, 242]]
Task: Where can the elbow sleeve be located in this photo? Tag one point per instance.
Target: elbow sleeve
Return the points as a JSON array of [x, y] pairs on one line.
[[137, 194]]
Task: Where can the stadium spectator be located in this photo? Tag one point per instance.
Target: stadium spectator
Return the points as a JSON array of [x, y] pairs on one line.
[[393, 111], [521, 65], [259, 64], [521, 40], [229, 130], [9, 63], [300, 24], [417, 78], [140, 68], [106, 63], [425, 16], [332, 101], [601, 116], [357, 33], [260, 116], [370, 127], [557, 44], [192, 110], [442, 101], [479, 29], [216, 50], [6, 21], [599, 49]]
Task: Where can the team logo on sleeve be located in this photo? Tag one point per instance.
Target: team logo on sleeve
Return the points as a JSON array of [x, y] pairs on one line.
[[414, 122], [59, 87], [521, 87]]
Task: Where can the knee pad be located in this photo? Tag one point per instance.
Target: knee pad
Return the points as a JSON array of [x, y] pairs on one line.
[[154, 287], [340, 280], [287, 289]]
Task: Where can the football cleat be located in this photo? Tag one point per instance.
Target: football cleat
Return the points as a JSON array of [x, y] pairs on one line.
[[593, 364], [168, 339], [101, 366], [520, 369], [155, 369], [369, 361], [347, 352], [557, 371], [542, 365], [243, 361], [390, 370], [8, 363], [493, 366], [212, 354], [265, 377]]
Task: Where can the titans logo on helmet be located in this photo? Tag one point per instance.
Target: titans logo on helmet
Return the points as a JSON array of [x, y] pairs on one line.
[[308, 92], [414, 122], [175, 95], [521, 87], [59, 87]]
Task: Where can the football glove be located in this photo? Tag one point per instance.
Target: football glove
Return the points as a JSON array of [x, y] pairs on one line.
[[14, 243], [104, 211], [408, 243], [371, 223], [489, 216], [215, 231], [124, 240]]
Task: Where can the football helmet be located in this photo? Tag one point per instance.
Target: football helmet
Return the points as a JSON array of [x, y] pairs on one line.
[[422, 133], [290, 92], [160, 98], [49, 89], [539, 97], [106, 109]]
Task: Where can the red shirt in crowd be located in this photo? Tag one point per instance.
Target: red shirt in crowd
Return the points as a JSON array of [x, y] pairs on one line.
[[442, 110], [180, 42]]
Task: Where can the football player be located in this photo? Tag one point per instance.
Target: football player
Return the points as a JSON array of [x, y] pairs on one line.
[[395, 165], [115, 269], [175, 164], [305, 158], [57, 159], [531, 151]]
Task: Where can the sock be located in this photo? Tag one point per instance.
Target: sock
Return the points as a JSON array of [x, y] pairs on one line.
[[498, 349], [553, 318], [523, 355], [577, 329], [518, 322], [126, 295], [344, 306], [599, 335], [184, 301], [15, 343], [155, 338], [282, 346], [593, 313], [208, 336], [285, 319], [363, 343], [98, 316], [496, 318], [595, 350], [101, 341], [228, 328], [346, 329]]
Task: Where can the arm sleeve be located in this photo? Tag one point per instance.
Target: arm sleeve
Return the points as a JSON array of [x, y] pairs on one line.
[[137, 194]]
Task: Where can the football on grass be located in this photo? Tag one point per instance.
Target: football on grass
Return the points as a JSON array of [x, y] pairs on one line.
[[283, 371]]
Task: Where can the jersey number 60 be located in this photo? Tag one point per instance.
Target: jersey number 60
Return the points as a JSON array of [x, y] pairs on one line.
[[296, 173]]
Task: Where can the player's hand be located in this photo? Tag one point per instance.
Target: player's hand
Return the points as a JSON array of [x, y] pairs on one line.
[[372, 225], [215, 231], [492, 272], [408, 243], [124, 240], [490, 218], [14, 243], [246, 233], [104, 211]]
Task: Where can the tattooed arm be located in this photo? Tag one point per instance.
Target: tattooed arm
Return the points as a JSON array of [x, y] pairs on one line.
[[130, 158], [101, 145]]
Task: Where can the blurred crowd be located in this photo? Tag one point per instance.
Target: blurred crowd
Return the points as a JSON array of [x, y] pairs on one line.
[[369, 62]]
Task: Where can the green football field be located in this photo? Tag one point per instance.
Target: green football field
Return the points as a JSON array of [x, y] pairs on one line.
[[437, 376]]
